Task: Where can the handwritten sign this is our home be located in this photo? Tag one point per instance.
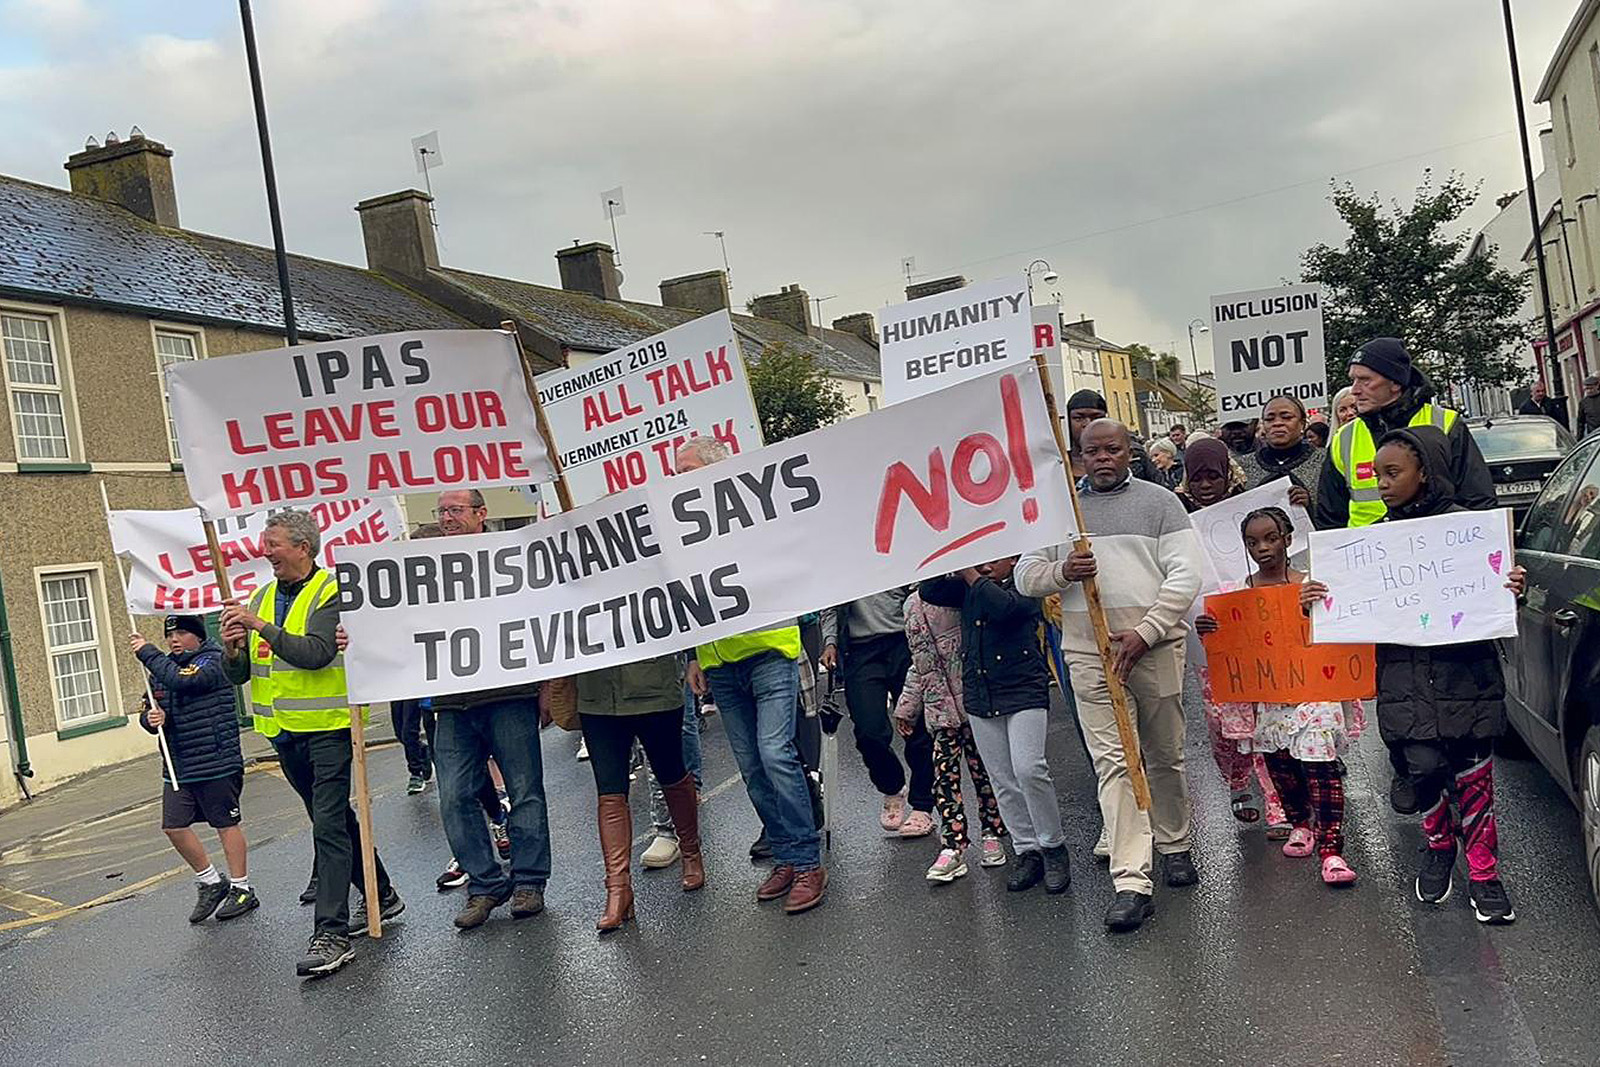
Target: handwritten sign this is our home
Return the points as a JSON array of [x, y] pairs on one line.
[[1433, 581]]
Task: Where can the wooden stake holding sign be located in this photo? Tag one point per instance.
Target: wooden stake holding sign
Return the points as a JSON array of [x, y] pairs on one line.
[[1126, 732], [149, 691]]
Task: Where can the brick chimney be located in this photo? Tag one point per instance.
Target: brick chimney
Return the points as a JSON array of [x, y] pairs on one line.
[[790, 306], [398, 232], [938, 285], [590, 268], [135, 174], [860, 324], [705, 292]]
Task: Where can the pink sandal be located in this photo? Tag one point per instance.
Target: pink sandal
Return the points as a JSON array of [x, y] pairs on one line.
[[1336, 872], [1300, 843]]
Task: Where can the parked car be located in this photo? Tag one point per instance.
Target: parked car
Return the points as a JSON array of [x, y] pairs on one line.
[[1521, 451], [1553, 665]]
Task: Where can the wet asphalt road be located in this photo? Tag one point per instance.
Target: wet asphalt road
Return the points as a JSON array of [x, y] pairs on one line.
[[1260, 964]]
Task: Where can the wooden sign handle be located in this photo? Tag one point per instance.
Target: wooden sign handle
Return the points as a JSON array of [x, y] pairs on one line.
[[1126, 731], [369, 847], [563, 493]]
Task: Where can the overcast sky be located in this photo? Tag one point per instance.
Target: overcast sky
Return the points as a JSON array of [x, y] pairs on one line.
[[1153, 151]]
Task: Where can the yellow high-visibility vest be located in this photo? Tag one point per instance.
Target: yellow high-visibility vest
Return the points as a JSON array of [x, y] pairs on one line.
[[284, 697], [784, 640], [1355, 453]]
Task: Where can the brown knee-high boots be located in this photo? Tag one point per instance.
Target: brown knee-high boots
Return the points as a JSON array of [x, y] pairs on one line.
[[684, 803], [616, 843]]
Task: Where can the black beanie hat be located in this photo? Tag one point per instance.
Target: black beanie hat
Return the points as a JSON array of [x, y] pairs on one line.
[[1386, 356], [187, 623], [1086, 398]]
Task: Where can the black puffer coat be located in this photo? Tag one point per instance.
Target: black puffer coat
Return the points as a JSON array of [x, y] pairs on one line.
[[1002, 667], [1441, 692], [202, 721]]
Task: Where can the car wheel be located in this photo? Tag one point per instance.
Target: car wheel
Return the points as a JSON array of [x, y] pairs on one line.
[[1589, 807]]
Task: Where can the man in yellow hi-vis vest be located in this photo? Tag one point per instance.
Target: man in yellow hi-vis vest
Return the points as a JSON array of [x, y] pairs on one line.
[[1390, 394], [283, 645], [755, 680]]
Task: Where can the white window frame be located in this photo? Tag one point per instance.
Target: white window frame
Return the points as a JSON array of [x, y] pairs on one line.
[[197, 337], [99, 611], [65, 386]]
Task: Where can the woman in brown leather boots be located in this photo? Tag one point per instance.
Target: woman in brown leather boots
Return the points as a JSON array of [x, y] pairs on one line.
[[645, 701]]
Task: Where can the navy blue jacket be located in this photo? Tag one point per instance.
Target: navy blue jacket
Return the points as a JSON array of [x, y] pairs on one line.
[[202, 722], [1002, 666]]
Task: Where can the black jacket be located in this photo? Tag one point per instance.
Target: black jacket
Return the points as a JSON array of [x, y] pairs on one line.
[[1588, 415], [1439, 692], [1549, 407], [1474, 485], [202, 722], [1002, 667]]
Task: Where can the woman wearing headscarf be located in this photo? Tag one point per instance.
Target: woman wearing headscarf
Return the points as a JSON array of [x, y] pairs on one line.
[[1210, 474], [1284, 452]]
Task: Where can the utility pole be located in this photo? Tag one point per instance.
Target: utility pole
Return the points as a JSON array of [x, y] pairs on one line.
[[291, 331], [1527, 174]]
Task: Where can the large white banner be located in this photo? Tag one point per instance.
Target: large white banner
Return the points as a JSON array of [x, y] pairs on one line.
[[169, 563], [399, 413], [1220, 536], [1268, 343], [937, 341], [1434, 581], [618, 420], [966, 475]]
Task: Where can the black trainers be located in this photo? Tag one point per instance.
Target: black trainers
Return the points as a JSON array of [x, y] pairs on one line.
[[1057, 870], [1180, 869], [1026, 873], [1490, 902], [237, 902], [1435, 874], [308, 895], [326, 954], [392, 905], [1129, 911], [207, 897], [761, 848], [1403, 795]]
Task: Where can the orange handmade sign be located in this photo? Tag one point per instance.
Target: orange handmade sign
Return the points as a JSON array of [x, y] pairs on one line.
[[1262, 651]]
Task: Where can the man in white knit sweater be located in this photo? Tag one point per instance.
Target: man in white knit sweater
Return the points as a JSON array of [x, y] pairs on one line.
[[1150, 555]]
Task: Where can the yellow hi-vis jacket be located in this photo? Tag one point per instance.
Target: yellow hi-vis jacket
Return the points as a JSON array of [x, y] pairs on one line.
[[1354, 454], [282, 696]]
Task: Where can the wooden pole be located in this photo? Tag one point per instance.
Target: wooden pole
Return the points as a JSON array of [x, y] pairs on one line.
[[149, 691], [369, 848], [1097, 612], [563, 493]]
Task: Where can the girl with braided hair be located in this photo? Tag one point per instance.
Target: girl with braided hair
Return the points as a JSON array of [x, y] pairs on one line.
[[1301, 743]]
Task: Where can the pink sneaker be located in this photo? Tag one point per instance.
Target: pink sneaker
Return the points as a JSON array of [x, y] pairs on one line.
[[894, 813], [994, 853], [917, 824]]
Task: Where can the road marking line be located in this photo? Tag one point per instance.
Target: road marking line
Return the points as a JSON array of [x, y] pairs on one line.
[[115, 894], [29, 904]]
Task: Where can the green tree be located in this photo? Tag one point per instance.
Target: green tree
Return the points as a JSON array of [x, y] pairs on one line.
[[1403, 272], [793, 396]]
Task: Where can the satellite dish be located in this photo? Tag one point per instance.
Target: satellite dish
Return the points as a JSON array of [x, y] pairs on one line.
[[618, 272]]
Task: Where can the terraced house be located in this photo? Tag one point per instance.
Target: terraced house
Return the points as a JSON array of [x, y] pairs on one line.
[[100, 288]]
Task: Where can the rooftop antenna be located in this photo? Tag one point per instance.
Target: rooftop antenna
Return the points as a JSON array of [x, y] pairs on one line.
[[727, 271], [611, 199], [816, 302], [425, 150], [908, 267]]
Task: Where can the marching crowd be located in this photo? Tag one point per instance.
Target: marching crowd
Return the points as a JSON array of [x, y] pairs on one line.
[[958, 667]]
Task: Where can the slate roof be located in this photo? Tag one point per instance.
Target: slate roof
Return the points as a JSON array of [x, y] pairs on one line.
[[1077, 336], [59, 246], [589, 324]]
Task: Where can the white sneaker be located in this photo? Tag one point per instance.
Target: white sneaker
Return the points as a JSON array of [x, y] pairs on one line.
[[1102, 847], [994, 853], [663, 852], [583, 749], [948, 867]]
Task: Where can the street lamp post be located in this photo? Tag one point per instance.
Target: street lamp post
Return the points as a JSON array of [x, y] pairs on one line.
[[1194, 359], [1050, 276]]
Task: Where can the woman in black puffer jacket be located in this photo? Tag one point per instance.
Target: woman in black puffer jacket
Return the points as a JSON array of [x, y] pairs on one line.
[[1006, 693]]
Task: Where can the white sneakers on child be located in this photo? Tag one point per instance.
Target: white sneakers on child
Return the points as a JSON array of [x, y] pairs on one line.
[[948, 867], [994, 853]]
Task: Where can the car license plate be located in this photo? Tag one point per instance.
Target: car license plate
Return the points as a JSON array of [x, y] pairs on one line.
[[1516, 489]]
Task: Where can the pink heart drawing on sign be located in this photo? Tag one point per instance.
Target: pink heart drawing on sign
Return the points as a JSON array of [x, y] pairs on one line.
[[1327, 602], [1455, 620], [1495, 559]]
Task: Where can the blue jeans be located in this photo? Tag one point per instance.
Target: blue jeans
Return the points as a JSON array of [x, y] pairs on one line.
[[659, 815], [758, 699], [508, 730]]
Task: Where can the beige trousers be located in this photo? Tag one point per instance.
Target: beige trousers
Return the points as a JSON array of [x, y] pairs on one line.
[[1155, 696]]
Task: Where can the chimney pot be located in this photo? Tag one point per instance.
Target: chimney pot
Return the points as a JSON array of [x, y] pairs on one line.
[[860, 324], [590, 268], [397, 230], [704, 292], [917, 290], [790, 306], [135, 174]]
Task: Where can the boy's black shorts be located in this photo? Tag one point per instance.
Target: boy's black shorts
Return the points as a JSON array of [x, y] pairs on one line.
[[215, 801]]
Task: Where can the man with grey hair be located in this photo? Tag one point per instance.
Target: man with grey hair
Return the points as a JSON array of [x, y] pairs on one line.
[[283, 644]]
